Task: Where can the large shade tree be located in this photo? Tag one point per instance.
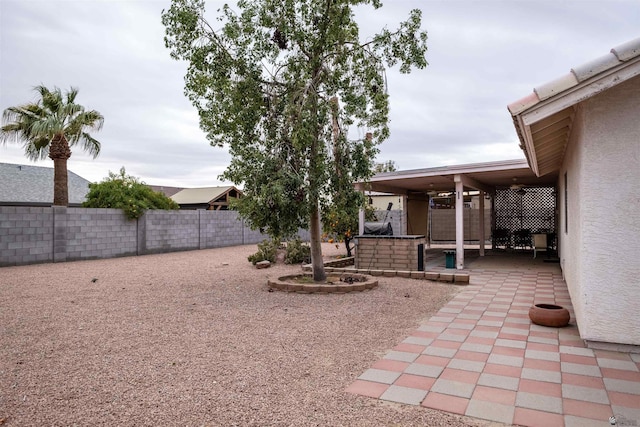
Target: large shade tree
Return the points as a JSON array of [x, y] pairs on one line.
[[49, 127], [280, 82]]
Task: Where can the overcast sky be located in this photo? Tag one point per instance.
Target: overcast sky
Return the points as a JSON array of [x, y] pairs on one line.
[[483, 55]]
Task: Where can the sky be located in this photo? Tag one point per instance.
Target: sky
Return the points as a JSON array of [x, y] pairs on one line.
[[482, 54]]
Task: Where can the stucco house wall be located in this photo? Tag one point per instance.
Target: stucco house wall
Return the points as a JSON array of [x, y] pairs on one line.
[[600, 250]]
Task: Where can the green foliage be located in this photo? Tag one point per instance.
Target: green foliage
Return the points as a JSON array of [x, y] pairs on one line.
[[127, 193], [267, 251], [280, 82], [297, 252], [388, 166]]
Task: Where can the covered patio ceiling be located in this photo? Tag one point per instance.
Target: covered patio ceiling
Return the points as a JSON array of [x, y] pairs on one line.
[[477, 176]]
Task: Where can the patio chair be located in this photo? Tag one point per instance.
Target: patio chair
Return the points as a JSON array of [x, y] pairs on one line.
[[539, 243]]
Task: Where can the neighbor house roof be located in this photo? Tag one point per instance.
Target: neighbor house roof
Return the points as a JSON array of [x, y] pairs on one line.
[[190, 196], [33, 186], [543, 119], [167, 191]]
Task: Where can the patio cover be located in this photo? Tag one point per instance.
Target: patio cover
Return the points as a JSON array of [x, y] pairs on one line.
[[484, 177]]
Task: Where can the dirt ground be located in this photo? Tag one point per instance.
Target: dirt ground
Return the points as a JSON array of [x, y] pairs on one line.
[[196, 339]]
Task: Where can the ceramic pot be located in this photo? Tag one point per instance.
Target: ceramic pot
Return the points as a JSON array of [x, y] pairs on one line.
[[551, 315]]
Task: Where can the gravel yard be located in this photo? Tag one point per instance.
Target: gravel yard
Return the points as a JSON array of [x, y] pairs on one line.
[[195, 338]]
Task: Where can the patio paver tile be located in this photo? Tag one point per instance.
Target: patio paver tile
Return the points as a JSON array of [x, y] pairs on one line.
[[624, 399], [582, 380], [454, 388], [390, 365], [620, 374], [367, 388], [415, 381], [410, 396], [410, 348], [574, 421], [622, 386], [580, 369], [379, 375], [499, 381], [577, 350], [540, 387], [467, 365], [587, 394], [541, 375], [427, 359], [504, 370], [533, 418], [574, 358], [440, 351], [402, 356], [539, 402], [443, 402], [584, 409], [543, 355], [492, 394], [424, 370], [500, 359], [617, 364], [491, 411]]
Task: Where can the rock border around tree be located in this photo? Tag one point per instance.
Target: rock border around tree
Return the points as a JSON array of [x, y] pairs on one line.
[[341, 284]]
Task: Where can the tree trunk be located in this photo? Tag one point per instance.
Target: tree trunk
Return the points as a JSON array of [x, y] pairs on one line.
[[59, 152], [317, 263]]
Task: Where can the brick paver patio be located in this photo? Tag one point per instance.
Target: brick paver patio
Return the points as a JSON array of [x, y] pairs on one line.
[[481, 356]]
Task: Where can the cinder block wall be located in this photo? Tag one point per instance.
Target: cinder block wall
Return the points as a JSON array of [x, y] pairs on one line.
[[168, 231], [26, 235], [91, 234], [388, 253], [30, 235]]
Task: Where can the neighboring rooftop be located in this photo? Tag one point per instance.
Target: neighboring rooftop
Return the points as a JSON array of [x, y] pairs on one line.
[[206, 197], [167, 191], [25, 185]]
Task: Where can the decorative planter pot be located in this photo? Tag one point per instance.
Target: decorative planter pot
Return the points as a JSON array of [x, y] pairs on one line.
[[551, 315]]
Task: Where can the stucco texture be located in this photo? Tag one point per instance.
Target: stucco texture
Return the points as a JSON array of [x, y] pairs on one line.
[[601, 246]]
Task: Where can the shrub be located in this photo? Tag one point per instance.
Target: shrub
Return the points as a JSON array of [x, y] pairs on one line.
[[297, 252], [267, 251]]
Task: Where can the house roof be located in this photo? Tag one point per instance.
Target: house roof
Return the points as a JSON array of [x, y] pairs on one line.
[[33, 185], [190, 196], [544, 118], [167, 191]]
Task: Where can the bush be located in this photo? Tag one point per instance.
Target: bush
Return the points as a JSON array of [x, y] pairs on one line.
[[297, 252], [127, 193], [267, 251]]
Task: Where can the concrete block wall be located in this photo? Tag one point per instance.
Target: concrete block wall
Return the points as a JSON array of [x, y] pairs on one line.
[[93, 233], [168, 231], [388, 253], [220, 229], [31, 235], [26, 235]]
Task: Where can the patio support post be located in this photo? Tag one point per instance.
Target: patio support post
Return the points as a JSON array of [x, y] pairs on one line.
[[459, 222], [481, 235], [361, 218]]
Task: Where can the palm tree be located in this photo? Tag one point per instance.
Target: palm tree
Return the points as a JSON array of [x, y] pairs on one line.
[[48, 128]]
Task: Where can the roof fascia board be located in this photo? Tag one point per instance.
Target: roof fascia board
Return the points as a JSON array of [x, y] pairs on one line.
[[453, 170], [528, 145], [383, 188], [581, 92]]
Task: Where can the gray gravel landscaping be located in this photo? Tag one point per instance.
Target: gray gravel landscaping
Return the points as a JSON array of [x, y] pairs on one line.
[[196, 339]]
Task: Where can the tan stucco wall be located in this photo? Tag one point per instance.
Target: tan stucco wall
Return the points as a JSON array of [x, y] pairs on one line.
[[601, 250]]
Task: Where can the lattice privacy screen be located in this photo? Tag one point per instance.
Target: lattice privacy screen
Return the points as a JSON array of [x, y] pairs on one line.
[[520, 212]]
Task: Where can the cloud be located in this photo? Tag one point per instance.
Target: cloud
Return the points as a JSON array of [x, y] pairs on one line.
[[482, 56]]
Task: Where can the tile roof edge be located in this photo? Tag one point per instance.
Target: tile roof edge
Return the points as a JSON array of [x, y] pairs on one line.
[[594, 67], [556, 86], [522, 104], [627, 50]]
